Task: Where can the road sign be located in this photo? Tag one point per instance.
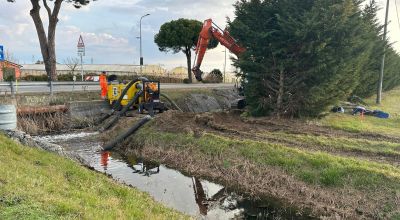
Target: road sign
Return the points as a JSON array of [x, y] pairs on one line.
[[1, 53], [81, 53], [80, 42], [81, 46]]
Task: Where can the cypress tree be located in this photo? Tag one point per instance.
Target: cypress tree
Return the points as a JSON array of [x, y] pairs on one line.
[[370, 72], [303, 55]]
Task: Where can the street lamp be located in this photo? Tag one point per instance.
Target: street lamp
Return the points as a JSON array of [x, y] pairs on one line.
[[141, 56], [224, 80]]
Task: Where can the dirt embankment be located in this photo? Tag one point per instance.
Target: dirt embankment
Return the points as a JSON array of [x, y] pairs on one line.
[[344, 202]]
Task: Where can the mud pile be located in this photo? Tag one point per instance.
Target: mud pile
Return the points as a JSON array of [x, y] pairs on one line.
[[213, 101]]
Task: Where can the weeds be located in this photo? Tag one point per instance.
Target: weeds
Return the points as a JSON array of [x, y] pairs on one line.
[[43, 123]]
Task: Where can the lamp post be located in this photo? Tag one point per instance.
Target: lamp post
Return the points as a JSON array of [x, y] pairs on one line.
[[224, 80], [141, 55]]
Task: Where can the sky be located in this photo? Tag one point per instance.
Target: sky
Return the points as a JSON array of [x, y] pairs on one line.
[[110, 30]]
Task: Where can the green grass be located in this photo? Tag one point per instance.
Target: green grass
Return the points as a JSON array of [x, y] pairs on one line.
[[180, 94], [338, 143], [369, 124], [39, 185], [312, 167], [390, 104]]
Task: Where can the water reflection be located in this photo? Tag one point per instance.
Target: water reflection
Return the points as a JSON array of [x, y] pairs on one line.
[[213, 201], [104, 159]]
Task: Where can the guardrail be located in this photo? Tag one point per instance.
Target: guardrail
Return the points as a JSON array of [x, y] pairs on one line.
[[14, 88]]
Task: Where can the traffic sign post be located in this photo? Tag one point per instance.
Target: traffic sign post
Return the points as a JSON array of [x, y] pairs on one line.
[[1, 53], [81, 52]]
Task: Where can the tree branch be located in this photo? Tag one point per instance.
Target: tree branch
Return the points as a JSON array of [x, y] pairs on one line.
[[47, 8], [53, 20], [56, 9]]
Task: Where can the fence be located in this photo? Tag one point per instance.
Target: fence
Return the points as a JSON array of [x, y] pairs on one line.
[[14, 88]]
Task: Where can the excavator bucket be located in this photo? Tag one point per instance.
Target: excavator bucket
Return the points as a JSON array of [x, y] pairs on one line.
[[197, 73]]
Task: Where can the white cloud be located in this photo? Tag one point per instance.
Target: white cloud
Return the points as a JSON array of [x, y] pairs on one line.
[[110, 28], [20, 28], [102, 47]]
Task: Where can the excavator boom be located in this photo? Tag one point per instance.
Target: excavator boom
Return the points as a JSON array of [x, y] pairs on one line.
[[209, 31]]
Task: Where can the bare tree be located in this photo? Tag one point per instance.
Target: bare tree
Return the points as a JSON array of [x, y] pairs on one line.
[[9, 56], [72, 63]]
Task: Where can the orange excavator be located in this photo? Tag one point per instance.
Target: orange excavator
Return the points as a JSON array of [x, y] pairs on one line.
[[211, 30]]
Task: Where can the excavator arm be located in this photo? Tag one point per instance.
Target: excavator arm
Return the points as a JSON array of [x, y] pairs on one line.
[[211, 30]]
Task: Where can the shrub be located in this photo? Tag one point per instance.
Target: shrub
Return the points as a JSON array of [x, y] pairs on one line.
[[9, 74], [67, 77], [215, 76], [34, 78]]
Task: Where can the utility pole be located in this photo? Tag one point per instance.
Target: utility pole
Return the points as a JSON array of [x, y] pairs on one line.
[[82, 68], [380, 84]]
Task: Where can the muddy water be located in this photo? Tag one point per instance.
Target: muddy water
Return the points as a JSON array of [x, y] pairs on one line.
[[193, 196]]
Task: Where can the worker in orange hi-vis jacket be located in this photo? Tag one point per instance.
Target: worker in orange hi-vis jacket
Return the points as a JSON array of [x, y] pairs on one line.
[[103, 84]]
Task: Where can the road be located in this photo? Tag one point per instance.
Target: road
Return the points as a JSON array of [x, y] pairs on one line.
[[43, 87]]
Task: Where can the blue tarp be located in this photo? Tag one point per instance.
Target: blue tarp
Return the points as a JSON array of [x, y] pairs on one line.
[[376, 113], [381, 114]]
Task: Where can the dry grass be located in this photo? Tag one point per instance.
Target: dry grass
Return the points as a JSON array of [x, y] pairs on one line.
[[43, 123]]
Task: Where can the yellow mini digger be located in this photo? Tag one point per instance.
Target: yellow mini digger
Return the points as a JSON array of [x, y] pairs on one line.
[[141, 94]]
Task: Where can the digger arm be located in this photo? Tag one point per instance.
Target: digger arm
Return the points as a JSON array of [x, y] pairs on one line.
[[210, 30]]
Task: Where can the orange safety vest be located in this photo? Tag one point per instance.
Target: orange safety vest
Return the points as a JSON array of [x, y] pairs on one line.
[[103, 85], [103, 80]]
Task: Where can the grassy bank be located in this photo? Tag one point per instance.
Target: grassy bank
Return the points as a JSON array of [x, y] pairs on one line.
[[316, 167], [390, 104], [39, 185], [337, 144], [377, 184]]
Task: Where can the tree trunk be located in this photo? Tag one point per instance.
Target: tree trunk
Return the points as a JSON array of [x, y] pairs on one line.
[[47, 43], [279, 100], [188, 54], [35, 14]]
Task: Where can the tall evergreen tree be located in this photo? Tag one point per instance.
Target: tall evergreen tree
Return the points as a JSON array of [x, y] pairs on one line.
[[370, 72], [303, 55]]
